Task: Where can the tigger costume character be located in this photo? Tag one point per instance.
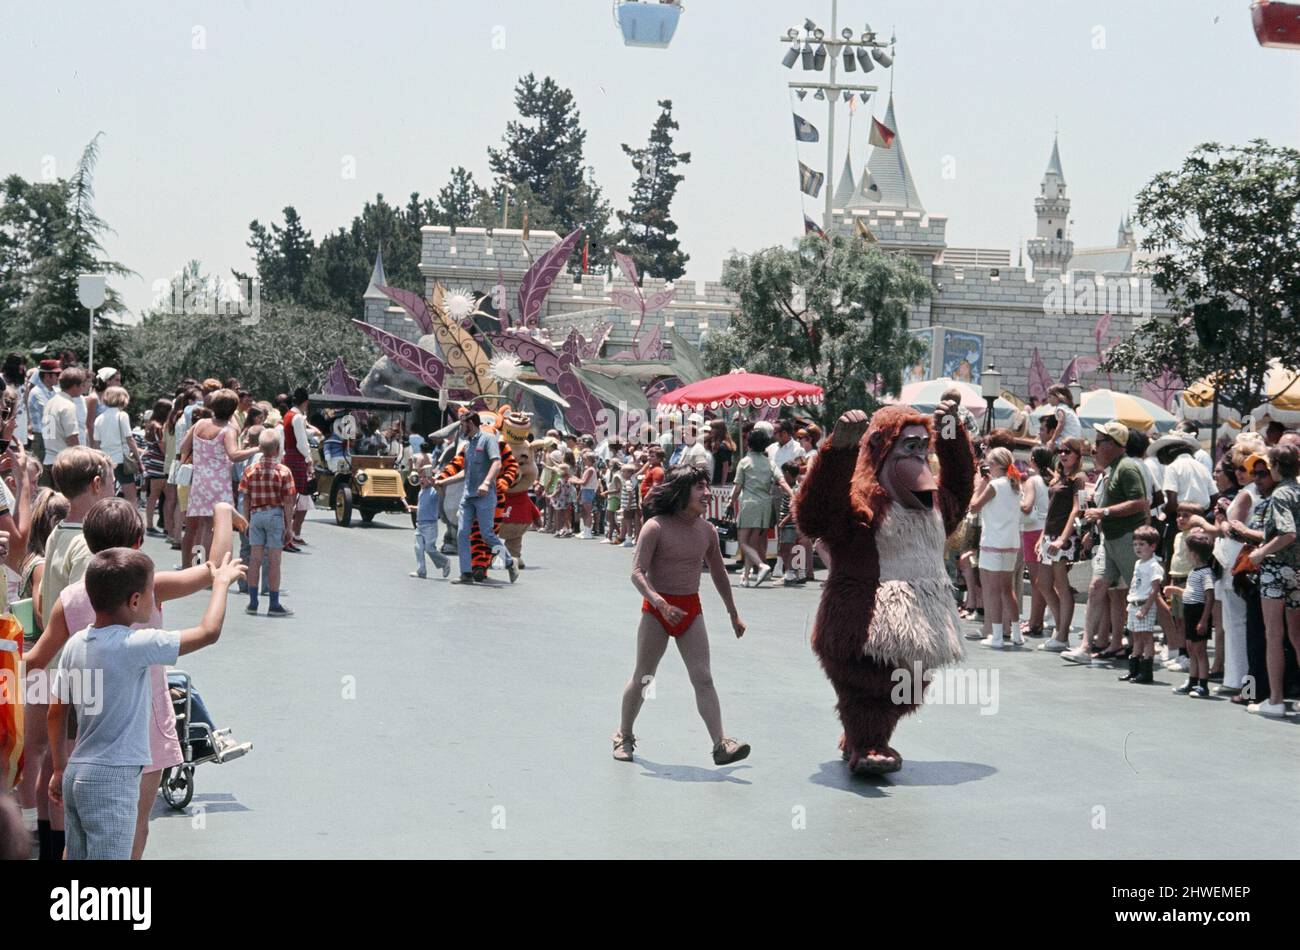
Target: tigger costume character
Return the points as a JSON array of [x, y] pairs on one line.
[[480, 553], [888, 605], [520, 512]]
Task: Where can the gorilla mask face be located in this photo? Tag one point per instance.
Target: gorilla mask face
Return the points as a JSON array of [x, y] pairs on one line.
[[906, 473]]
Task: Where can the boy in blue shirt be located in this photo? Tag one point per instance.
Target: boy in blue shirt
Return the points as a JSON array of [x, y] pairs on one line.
[[427, 510]]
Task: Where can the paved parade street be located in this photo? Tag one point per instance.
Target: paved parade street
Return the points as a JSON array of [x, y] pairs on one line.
[[481, 721]]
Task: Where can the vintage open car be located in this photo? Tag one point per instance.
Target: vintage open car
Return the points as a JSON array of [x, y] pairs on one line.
[[366, 484]]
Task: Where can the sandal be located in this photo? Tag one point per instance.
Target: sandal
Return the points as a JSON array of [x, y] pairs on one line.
[[729, 750], [623, 747]]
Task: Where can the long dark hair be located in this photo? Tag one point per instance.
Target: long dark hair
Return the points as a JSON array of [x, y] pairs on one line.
[[671, 495]]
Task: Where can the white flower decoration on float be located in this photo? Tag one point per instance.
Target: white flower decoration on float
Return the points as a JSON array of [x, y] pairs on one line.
[[460, 304]]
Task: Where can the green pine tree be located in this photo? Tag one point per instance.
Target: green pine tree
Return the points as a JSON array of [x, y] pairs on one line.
[[545, 153], [647, 229], [460, 201], [283, 256], [39, 279]]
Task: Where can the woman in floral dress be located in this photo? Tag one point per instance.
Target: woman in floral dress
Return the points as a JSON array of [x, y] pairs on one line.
[[211, 444]]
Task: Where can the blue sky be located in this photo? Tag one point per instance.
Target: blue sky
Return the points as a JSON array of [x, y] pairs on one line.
[[281, 96]]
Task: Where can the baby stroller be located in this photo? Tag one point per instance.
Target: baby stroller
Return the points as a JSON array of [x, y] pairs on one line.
[[200, 742]]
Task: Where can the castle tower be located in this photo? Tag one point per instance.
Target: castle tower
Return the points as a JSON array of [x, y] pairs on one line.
[[1052, 249], [1126, 238], [375, 301]]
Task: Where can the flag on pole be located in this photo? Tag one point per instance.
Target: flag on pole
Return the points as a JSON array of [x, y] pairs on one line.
[[810, 182], [848, 97], [869, 187], [881, 134], [811, 227], [804, 130], [586, 252], [853, 103]]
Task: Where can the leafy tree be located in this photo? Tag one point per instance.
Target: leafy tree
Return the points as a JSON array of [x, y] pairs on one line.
[[647, 231], [1226, 229], [461, 199], [829, 312], [282, 255], [286, 346], [49, 234], [545, 152]]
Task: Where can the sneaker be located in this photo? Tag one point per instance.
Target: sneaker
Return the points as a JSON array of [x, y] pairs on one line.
[[1179, 664], [1054, 646], [513, 570], [1077, 655], [729, 750], [280, 611], [1271, 710], [629, 543], [995, 642], [763, 575], [446, 572], [974, 635], [623, 747], [465, 579], [1186, 688], [1198, 692], [420, 574], [1017, 640], [251, 610]]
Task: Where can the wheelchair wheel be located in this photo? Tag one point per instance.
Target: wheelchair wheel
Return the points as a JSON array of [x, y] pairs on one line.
[[178, 786]]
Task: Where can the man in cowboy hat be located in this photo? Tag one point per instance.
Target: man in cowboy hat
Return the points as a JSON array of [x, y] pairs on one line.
[[1185, 479]]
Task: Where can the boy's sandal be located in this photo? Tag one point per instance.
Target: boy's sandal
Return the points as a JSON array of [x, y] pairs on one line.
[[623, 747]]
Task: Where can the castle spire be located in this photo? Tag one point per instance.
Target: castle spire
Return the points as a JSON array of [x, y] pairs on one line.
[[377, 279], [887, 181]]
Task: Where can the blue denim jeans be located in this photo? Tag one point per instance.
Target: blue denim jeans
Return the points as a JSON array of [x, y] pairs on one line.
[[426, 542], [482, 508]]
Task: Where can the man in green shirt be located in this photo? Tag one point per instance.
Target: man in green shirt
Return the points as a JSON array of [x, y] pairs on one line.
[[1126, 509]]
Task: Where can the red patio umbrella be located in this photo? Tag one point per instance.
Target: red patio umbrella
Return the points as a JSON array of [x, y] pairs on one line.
[[744, 390]]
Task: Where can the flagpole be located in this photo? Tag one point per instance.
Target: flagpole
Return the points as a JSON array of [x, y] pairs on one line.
[[830, 122]]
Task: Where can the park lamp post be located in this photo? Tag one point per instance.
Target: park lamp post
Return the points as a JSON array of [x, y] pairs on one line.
[[91, 292], [814, 51], [1076, 392], [990, 389]]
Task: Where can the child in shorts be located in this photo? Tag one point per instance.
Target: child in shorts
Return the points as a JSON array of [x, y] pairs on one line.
[[1143, 597], [629, 505], [1197, 594], [613, 492], [104, 676]]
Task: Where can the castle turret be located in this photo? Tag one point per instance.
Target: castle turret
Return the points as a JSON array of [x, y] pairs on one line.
[[375, 300], [1126, 238], [1052, 249]]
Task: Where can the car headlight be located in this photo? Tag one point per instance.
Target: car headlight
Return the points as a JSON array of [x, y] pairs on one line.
[[360, 478]]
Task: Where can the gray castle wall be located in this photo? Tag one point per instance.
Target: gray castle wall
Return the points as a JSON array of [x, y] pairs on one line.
[[1013, 309]]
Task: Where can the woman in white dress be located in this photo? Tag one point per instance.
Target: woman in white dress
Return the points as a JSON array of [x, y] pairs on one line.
[[997, 501]]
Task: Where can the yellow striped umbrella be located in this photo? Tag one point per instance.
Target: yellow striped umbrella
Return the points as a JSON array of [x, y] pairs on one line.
[[1281, 392]]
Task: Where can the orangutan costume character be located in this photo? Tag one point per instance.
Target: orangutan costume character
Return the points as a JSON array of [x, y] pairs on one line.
[[480, 554], [888, 603], [519, 512]]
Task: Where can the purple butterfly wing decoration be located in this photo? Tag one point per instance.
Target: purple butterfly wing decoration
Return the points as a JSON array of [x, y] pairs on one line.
[[658, 301], [413, 304], [1039, 381], [626, 300], [585, 412], [537, 282], [414, 359], [340, 383]]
